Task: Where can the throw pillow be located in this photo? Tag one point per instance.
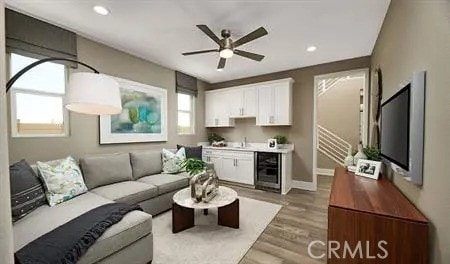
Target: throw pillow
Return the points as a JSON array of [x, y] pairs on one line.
[[192, 152], [62, 180], [172, 162], [27, 192]]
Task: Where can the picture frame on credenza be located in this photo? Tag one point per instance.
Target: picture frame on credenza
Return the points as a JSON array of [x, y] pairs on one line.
[[368, 168]]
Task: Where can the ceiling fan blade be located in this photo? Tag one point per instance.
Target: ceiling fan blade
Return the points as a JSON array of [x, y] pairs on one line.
[[199, 52], [251, 36], [209, 32], [249, 55], [221, 64]]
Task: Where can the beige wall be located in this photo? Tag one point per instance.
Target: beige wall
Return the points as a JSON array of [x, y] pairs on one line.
[[338, 110], [84, 129], [301, 132], [416, 36], [323, 162], [6, 247]]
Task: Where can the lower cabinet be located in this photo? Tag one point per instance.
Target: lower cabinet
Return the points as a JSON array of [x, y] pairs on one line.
[[233, 166]]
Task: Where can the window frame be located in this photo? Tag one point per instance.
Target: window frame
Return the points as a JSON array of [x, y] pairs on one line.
[[191, 113], [13, 105]]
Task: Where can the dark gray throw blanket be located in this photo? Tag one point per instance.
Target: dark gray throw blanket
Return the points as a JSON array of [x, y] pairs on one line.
[[68, 243]]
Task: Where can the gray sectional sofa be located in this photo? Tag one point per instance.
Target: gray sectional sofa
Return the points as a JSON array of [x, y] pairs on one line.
[[134, 177]]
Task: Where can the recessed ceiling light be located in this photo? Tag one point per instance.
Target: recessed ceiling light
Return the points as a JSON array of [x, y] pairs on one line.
[[311, 48], [220, 69], [101, 10]]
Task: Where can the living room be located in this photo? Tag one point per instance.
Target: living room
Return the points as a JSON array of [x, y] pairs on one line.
[[194, 128]]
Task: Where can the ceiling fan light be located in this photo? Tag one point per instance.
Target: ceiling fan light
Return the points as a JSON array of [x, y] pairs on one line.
[[226, 53]]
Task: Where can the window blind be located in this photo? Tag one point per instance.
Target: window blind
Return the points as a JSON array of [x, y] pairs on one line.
[[186, 84], [29, 36]]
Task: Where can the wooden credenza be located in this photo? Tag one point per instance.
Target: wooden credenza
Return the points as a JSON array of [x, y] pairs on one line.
[[367, 212]]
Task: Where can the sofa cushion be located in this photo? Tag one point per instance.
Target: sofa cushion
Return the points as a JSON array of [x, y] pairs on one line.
[[62, 180], [131, 228], [173, 162], [166, 182], [192, 152], [105, 169], [27, 192], [145, 163], [127, 192]]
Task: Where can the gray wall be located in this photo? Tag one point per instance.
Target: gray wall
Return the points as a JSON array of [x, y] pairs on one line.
[[338, 110], [416, 36], [301, 132], [84, 129], [6, 246]]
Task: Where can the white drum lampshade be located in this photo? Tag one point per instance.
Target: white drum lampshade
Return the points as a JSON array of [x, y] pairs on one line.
[[93, 94]]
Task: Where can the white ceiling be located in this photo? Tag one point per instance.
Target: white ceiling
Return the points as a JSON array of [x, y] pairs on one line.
[[160, 30]]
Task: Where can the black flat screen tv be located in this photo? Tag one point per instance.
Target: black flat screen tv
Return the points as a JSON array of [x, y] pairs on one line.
[[395, 128]]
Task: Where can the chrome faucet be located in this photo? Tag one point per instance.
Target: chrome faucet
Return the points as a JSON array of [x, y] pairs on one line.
[[244, 143]]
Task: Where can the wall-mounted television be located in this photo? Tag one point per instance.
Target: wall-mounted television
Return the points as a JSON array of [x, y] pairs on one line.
[[395, 128], [402, 129]]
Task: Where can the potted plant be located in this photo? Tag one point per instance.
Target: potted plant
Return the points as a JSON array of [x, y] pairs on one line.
[[372, 153], [216, 140], [281, 140], [193, 166]]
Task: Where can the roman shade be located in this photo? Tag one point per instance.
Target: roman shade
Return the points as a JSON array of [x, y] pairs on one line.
[[28, 36], [186, 84]]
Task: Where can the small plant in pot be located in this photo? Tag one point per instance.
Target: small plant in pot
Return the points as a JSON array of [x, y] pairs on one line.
[[372, 153], [281, 140], [193, 166], [216, 140]]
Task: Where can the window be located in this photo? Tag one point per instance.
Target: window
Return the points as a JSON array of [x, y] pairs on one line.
[[37, 107], [185, 114]]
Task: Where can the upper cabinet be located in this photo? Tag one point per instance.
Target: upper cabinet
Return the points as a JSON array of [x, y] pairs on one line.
[[270, 102], [275, 104], [243, 102], [217, 109]]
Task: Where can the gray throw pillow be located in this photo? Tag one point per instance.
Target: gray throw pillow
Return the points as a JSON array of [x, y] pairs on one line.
[[27, 191], [192, 152]]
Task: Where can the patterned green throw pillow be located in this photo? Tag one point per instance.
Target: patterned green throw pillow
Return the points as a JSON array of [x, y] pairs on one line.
[[62, 180], [172, 162]]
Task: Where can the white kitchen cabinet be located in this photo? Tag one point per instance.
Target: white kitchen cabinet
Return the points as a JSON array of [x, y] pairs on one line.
[[270, 102], [274, 103], [245, 170], [243, 102], [232, 166], [217, 109], [228, 170]]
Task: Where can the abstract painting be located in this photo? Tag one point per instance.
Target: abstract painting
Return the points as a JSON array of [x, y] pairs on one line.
[[143, 117]]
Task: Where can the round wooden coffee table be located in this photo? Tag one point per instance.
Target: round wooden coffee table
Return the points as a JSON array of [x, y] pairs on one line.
[[183, 208]]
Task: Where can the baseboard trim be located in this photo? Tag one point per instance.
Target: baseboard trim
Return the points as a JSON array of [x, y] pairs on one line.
[[308, 186], [325, 172]]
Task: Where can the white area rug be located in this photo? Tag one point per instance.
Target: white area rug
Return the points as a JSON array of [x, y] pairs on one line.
[[208, 242]]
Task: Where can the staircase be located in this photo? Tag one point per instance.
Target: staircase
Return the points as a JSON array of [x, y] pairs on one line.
[[331, 145], [327, 84]]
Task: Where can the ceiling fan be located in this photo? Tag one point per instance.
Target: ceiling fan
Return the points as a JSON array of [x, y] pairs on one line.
[[227, 47]]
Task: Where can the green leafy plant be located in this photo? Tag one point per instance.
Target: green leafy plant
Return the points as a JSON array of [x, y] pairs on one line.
[[372, 153], [193, 166], [281, 139], [213, 137]]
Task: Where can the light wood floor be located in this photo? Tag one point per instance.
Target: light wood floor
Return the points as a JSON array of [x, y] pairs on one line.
[[302, 219]]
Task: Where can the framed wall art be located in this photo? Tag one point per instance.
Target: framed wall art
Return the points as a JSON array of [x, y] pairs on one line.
[[143, 117]]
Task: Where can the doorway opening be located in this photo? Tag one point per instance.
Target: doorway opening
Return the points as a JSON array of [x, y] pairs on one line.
[[341, 118]]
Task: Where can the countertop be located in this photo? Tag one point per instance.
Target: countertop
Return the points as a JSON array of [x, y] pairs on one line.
[[253, 147]]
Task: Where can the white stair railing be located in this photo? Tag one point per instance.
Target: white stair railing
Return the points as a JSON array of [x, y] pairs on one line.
[[331, 145], [327, 84]]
